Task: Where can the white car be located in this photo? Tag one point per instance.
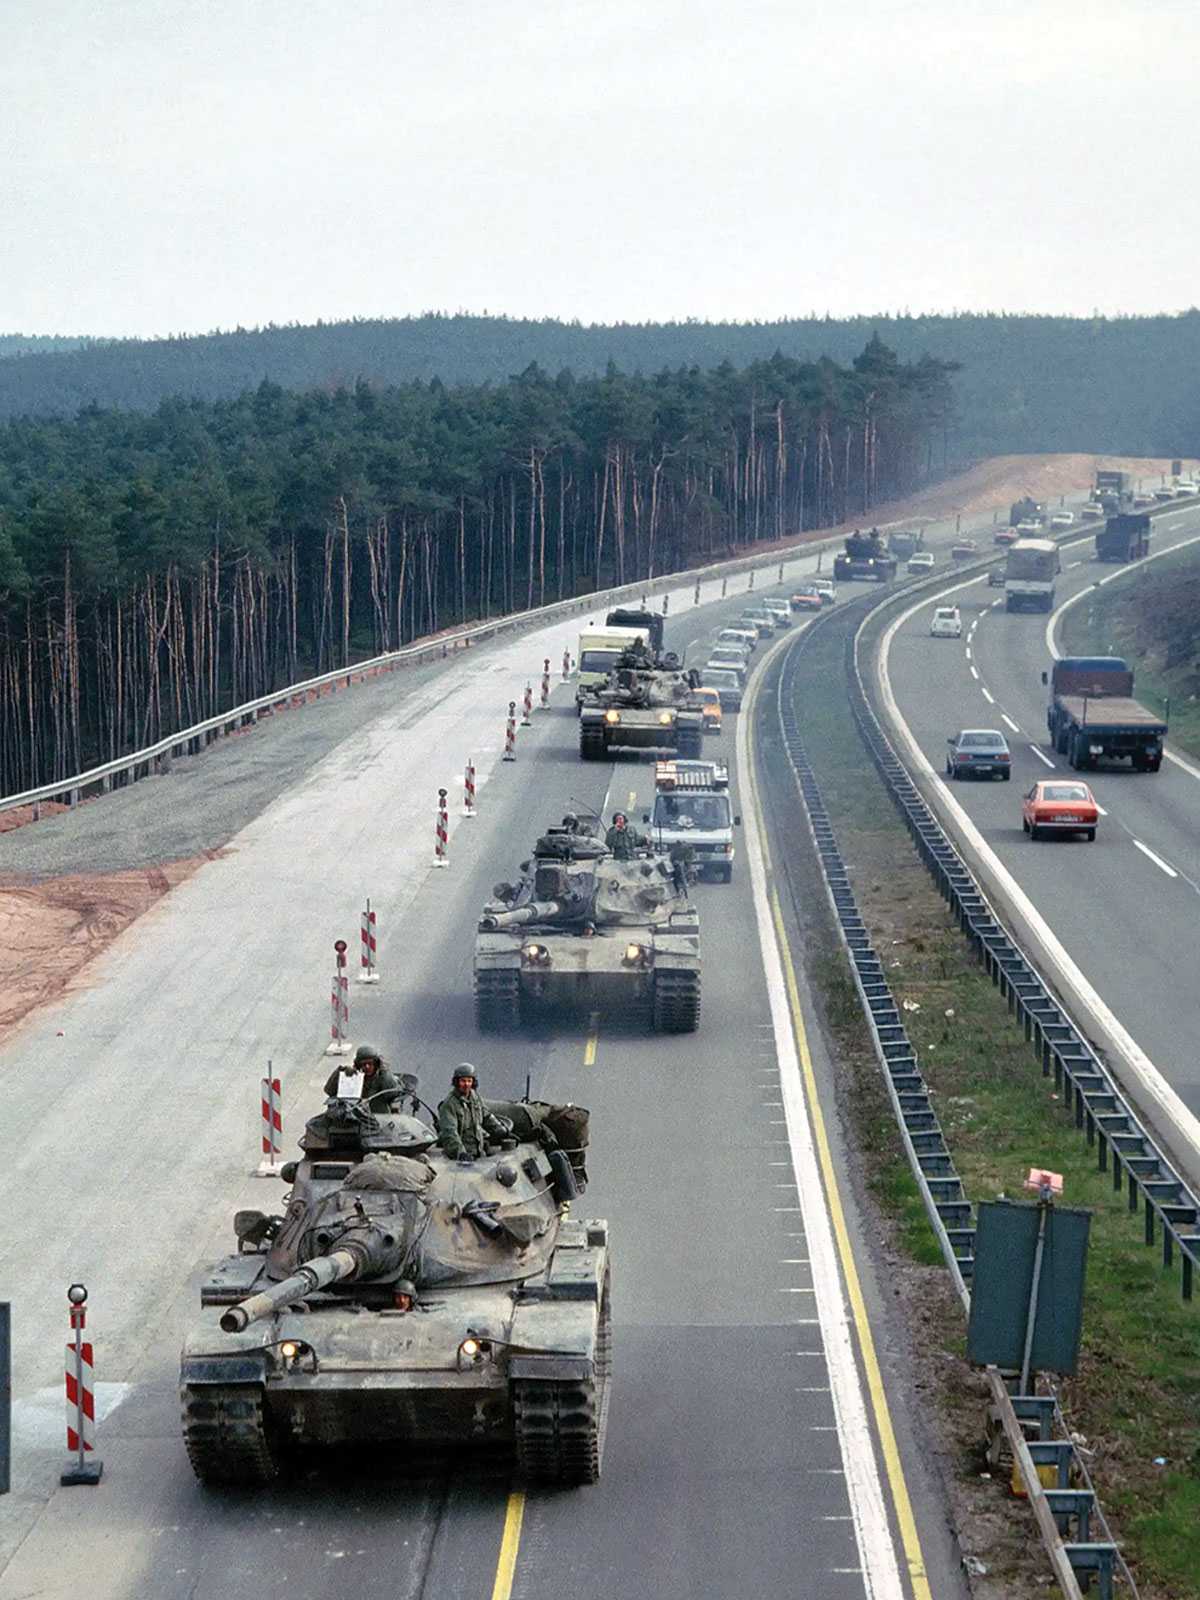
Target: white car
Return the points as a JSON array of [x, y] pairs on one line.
[[781, 611], [920, 561], [826, 588], [946, 624], [1062, 519], [1092, 510], [728, 655], [746, 637]]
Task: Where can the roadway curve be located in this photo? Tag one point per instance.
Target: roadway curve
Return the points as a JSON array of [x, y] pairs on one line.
[[742, 1452], [1125, 908]]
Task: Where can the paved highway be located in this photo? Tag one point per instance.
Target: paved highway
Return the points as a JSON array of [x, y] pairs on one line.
[[759, 1439], [1126, 906]]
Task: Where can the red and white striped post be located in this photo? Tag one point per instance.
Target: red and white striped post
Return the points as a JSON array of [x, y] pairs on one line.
[[340, 1000], [272, 1123], [367, 972], [525, 722], [86, 1466], [566, 665], [545, 682], [510, 733], [439, 847], [696, 595], [469, 790], [724, 586], [750, 585], [666, 603]]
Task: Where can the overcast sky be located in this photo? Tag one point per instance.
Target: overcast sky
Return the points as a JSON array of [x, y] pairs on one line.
[[184, 165]]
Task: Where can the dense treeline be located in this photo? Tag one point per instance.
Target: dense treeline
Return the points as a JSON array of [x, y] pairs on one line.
[[1125, 385], [157, 569]]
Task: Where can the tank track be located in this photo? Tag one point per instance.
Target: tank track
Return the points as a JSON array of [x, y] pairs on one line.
[[676, 1002], [225, 1431], [497, 1001], [561, 1424], [591, 743]]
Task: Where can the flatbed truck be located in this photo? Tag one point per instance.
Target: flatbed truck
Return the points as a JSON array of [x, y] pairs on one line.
[[1092, 715]]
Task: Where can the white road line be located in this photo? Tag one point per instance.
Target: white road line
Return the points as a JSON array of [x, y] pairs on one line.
[[1004, 717], [1100, 809], [975, 672], [968, 652], [1157, 860], [988, 696], [1041, 755]]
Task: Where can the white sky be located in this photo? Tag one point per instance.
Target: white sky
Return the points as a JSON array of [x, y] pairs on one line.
[[184, 165]]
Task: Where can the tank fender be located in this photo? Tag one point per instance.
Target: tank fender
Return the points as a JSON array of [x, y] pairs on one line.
[[250, 1367], [550, 1366]]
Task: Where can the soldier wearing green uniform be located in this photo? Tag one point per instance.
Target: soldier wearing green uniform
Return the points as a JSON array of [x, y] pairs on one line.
[[621, 839], [381, 1089], [464, 1121]]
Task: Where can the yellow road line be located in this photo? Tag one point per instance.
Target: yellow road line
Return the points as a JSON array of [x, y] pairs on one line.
[[879, 1406], [589, 1052], [507, 1564]]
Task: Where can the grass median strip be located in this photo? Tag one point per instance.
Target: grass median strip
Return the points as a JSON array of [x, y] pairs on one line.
[[1134, 1401]]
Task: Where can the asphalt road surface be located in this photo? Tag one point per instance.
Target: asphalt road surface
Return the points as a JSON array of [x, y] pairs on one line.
[[743, 1453]]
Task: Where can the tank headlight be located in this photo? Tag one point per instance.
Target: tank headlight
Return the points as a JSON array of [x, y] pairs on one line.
[[536, 955], [634, 954], [473, 1350], [294, 1351], [666, 716], [612, 716]]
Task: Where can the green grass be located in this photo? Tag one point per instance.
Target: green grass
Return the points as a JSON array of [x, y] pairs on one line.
[[1136, 1397]]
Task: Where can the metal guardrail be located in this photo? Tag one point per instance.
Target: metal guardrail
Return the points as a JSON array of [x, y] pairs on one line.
[[947, 1206]]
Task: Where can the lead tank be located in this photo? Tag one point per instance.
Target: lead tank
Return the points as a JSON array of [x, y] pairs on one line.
[[648, 702], [865, 556], [585, 931], [404, 1298]]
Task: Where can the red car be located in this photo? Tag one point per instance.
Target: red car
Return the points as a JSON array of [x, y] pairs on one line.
[[1056, 805], [964, 550], [806, 600]]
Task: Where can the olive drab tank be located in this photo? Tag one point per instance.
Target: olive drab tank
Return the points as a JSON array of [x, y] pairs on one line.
[[646, 703], [404, 1298], [865, 556], [585, 931]]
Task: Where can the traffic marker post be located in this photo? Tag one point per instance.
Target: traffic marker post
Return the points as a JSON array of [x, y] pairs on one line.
[[272, 1124], [696, 595], [5, 1395], [566, 665], [724, 587], [525, 722], [781, 572], [440, 848], [510, 733], [469, 790], [545, 683], [340, 1000], [750, 585], [86, 1466], [666, 603], [367, 972]]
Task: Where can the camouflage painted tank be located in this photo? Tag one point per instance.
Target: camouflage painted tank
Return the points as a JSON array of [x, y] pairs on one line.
[[647, 703], [865, 556], [584, 931], [403, 1297]]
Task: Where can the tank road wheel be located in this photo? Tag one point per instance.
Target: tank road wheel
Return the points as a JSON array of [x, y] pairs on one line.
[[690, 744], [226, 1433], [591, 742], [676, 1002], [561, 1423], [497, 1001]]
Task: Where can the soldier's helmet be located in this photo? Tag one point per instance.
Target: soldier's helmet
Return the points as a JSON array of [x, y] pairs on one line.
[[365, 1053], [464, 1069]]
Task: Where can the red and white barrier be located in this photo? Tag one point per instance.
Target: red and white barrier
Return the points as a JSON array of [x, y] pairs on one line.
[[469, 790], [566, 665], [750, 585], [696, 595], [367, 972], [545, 683], [340, 1002], [666, 603], [525, 722], [440, 858], [81, 1397], [272, 1132], [510, 733]]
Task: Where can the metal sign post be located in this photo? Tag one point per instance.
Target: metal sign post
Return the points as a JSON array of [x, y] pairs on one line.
[[81, 1402], [5, 1394]]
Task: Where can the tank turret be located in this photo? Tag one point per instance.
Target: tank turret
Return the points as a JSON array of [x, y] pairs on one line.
[[648, 702], [402, 1296], [865, 556]]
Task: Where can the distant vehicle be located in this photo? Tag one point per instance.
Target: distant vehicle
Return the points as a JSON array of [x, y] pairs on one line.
[[652, 621], [759, 620], [1094, 510], [1029, 574], [806, 599], [731, 658], [826, 588], [865, 556], [1166, 492], [964, 550], [1092, 713], [692, 811], [978, 753], [1029, 530], [946, 624], [1141, 501], [1063, 519], [1113, 491], [1058, 807], [736, 633], [727, 681], [710, 704], [1124, 538], [996, 578], [903, 541], [781, 611], [1008, 535], [1184, 489], [921, 562], [1026, 510]]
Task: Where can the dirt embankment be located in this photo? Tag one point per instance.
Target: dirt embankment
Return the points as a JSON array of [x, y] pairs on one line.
[[50, 931]]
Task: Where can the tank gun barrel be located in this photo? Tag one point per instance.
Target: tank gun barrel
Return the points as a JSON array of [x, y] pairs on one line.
[[535, 911], [356, 1257]]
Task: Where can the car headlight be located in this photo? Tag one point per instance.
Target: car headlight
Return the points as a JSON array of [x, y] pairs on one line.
[[612, 716]]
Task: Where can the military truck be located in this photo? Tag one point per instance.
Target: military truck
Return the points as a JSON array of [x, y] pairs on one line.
[[583, 931], [404, 1299], [866, 557], [646, 703], [1114, 491], [652, 622], [1124, 538]]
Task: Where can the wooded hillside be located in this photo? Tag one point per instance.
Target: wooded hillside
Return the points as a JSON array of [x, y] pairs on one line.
[[157, 569]]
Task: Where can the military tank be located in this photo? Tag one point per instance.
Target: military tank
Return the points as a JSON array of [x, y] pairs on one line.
[[585, 931], [647, 702], [404, 1298], [866, 557]]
